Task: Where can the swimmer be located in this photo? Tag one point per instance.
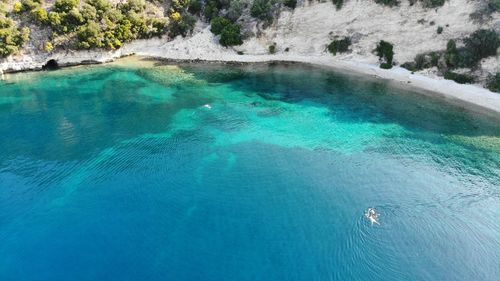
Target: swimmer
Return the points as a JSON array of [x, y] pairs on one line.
[[208, 106], [372, 215]]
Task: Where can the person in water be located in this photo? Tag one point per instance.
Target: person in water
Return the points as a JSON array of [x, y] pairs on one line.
[[372, 215]]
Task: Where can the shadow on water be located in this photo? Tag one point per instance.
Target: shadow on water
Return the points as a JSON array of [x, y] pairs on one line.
[[349, 98]]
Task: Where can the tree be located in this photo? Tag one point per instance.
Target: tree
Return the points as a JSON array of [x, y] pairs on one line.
[[183, 27], [339, 46], [218, 24], [385, 53], [195, 7], [89, 12], [176, 16], [40, 15], [231, 35], [494, 5], [389, 3], [493, 83], [65, 5], [89, 36], [293, 3], [48, 47], [11, 38], [451, 56], [482, 43], [338, 4], [236, 8], [261, 9], [54, 19], [17, 7]]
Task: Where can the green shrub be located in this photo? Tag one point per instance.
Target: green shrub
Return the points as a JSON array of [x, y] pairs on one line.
[[385, 66], [235, 9], [136, 6], [40, 15], [114, 16], [272, 48], [195, 7], [385, 53], [410, 65], [89, 36], [101, 6], [183, 27], [339, 46], [429, 3], [482, 43], [218, 24], [89, 12], [12, 38], [179, 5], [99, 24], [48, 47], [231, 35], [157, 26], [261, 9], [73, 19], [494, 5], [211, 10], [65, 5], [439, 30], [292, 3], [451, 55], [433, 3], [435, 56], [493, 83], [421, 62], [28, 5], [17, 7], [338, 4], [389, 3], [459, 78], [123, 31]]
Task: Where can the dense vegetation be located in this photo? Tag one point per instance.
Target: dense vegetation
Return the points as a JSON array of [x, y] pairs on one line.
[[338, 4], [86, 24], [12, 38], [479, 45], [459, 77], [272, 48], [97, 23], [262, 9], [425, 3], [385, 53], [494, 5], [291, 3], [92, 23], [230, 33], [493, 83], [388, 2], [339, 45]]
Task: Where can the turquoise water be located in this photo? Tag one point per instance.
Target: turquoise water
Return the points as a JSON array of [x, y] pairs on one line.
[[212, 172]]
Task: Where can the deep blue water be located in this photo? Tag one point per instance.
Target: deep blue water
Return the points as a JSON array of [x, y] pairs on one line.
[[152, 171]]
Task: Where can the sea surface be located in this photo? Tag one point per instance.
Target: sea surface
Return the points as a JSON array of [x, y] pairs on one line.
[[143, 170]]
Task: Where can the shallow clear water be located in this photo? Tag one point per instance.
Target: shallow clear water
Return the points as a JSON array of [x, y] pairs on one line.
[[120, 172]]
